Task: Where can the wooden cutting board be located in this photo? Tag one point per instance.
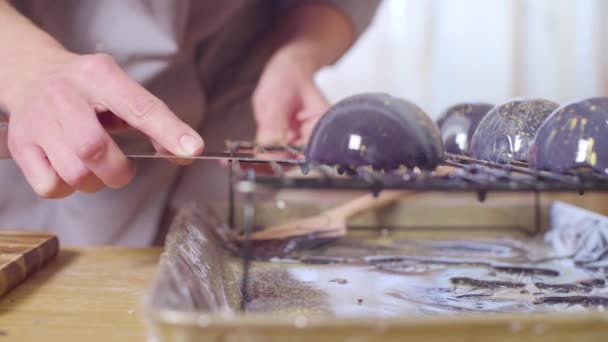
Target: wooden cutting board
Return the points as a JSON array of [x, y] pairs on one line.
[[22, 253]]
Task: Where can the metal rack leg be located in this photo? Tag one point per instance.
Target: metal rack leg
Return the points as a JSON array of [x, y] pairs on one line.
[[249, 213], [231, 220]]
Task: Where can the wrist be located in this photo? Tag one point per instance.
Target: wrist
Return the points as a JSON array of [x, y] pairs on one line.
[[308, 55], [316, 32]]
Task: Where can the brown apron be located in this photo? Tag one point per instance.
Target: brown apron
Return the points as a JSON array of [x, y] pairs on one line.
[[202, 58]]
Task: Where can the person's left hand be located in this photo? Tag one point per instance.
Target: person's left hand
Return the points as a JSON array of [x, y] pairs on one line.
[[287, 103]]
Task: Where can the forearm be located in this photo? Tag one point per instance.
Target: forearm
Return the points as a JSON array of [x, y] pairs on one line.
[[24, 50], [318, 32]]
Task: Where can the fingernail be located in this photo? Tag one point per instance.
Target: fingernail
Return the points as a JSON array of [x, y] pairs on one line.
[[190, 144]]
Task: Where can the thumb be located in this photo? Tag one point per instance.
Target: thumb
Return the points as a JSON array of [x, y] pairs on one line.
[[272, 115], [315, 106], [314, 103]]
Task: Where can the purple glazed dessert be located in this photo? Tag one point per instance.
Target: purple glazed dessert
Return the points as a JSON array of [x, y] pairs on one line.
[[377, 130], [506, 133], [574, 138], [458, 123]]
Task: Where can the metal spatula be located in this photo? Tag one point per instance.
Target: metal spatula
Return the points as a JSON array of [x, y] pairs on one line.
[[243, 157]]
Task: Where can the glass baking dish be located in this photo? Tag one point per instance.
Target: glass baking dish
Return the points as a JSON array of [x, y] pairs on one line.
[[440, 267]]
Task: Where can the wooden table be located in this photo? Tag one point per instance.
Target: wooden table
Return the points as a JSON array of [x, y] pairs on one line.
[[84, 295]]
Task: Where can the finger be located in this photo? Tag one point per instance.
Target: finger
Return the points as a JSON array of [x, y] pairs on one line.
[[294, 129], [91, 185], [39, 173], [69, 167], [83, 134], [100, 154], [272, 115], [127, 99], [306, 129], [315, 104], [162, 151], [112, 123]]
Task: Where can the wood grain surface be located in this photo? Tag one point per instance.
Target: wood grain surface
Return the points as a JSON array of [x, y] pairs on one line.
[[23, 253], [84, 295]]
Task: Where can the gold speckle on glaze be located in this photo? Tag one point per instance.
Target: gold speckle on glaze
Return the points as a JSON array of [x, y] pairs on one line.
[[520, 118], [574, 138], [591, 154]]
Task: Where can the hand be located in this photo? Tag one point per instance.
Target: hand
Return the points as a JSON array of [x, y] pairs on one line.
[[56, 128], [287, 103]]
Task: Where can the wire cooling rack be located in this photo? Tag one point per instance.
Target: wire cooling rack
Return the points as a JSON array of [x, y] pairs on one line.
[[467, 175]]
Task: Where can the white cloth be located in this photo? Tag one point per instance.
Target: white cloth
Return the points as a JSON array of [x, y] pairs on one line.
[[201, 58]]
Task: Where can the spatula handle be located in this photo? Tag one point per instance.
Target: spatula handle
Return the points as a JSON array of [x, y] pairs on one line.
[[368, 202]]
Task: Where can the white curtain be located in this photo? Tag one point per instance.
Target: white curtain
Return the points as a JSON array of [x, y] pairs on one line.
[[440, 52]]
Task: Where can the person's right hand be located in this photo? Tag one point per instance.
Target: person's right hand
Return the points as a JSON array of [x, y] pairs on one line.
[[55, 134]]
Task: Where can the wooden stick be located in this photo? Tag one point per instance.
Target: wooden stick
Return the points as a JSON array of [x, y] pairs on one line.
[[333, 222]]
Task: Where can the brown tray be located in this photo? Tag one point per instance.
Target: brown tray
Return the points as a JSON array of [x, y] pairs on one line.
[[462, 272]]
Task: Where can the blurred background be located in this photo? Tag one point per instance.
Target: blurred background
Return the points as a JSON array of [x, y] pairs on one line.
[[440, 52]]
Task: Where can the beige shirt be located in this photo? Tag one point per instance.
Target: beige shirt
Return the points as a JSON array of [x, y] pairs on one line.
[[186, 52]]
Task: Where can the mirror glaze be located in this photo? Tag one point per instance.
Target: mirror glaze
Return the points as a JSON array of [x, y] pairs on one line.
[[574, 138], [378, 130], [458, 123], [506, 133]]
